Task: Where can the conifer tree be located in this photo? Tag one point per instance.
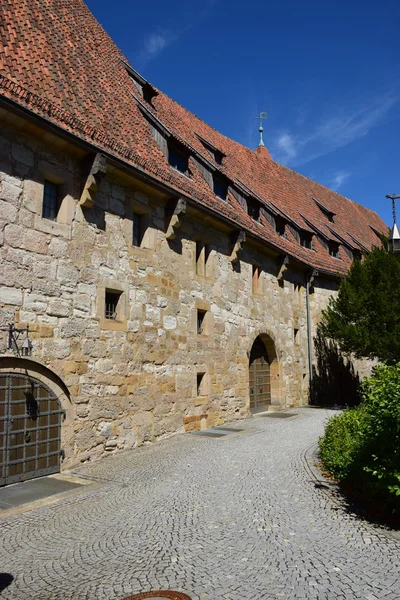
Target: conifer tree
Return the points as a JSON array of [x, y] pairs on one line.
[[364, 318]]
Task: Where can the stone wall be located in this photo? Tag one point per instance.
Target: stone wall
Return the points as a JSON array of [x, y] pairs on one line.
[[136, 379]]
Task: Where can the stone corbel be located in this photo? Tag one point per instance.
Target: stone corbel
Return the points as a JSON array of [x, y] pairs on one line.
[[282, 267], [97, 171], [176, 210], [238, 240]]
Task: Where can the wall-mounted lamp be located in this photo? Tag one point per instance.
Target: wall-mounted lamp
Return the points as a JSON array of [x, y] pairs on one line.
[[15, 336]]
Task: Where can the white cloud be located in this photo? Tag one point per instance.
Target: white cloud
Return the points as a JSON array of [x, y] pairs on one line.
[[158, 41], [339, 179], [332, 132], [287, 144]]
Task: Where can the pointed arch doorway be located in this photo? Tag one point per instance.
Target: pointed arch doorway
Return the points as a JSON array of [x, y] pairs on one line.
[[263, 374]]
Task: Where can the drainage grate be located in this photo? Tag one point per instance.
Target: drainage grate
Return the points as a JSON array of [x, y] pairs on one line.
[[278, 415], [159, 595], [217, 432]]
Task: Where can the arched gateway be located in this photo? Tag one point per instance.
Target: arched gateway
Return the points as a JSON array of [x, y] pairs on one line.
[[263, 374], [30, 428]]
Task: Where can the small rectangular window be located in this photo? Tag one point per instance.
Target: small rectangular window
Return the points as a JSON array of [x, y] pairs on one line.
[[201, 315], [178, 160], [253, 209], [137, 229], [333, 249], [50, 200], [111, 304], [220, 188], [306, 240], [202, 259], [279, 225], [200, 384], [296, 335]]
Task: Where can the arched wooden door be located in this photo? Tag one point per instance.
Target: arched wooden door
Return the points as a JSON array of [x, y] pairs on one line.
[[30, 428], [259, 377]]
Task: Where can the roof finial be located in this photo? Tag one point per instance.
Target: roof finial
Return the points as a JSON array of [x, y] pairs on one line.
[[263, 115]]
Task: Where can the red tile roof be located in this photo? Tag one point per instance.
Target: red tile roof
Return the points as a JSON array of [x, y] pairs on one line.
[[58, 62]]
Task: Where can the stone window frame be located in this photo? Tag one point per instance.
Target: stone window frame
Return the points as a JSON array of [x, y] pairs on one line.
[[203, 261], [148, 235], [201, 389], [120, 322], [208, 324], [58, 176]]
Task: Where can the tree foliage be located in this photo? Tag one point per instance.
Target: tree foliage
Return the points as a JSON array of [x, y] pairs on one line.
[[364, 318]]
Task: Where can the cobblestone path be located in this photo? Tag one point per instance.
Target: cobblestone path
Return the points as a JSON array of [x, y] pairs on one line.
[[234, 518]]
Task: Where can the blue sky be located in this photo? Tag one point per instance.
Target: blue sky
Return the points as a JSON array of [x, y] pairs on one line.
[[327, 74]]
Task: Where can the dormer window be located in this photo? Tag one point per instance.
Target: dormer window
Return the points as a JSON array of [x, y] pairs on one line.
[[253, 210], [216, 154], [178, 160], [333, 248], [328, 213], [220, 188], [144, 88], [279, 225], [306, 239]]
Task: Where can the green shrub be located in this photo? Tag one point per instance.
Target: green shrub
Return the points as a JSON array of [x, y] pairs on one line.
[[361, 446], [342, 442]]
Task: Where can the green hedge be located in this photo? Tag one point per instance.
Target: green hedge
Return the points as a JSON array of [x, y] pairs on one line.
[[361, 446]]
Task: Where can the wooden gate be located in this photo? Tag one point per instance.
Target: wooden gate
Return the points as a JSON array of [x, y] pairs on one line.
[[259, 377], [30, 429]]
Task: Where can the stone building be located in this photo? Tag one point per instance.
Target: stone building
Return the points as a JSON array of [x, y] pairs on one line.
[[170, 278]]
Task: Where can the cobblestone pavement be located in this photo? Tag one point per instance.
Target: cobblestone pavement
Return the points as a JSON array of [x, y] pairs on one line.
[[234, 518]]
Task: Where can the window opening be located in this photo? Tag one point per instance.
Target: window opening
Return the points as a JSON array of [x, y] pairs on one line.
[[50, 200], [253, 209], [296, 335], [178, 160], [333, 249], [279, 225], [306, 240], [137, 229], [200, 384], [111, 304], [201, 314], [256, 275], [220, 188]]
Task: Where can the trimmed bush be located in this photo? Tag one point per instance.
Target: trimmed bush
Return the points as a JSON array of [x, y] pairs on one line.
[[361, 446]]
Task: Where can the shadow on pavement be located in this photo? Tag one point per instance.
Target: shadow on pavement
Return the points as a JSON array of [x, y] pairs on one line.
[[5, 580]]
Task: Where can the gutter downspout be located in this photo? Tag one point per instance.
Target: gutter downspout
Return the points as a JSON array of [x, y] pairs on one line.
[[309, 280]]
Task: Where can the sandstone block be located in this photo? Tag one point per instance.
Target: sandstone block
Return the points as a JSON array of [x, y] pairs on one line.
[[32, 198], [72, 327], [82, 302], [52, 227], [58, 307], [14, 235], [8, 212], [10, 296], [67, 275], [10, 193], [58, 248], [104, 428], [35, 302], [169, 322], [35, 241], [56, 348]]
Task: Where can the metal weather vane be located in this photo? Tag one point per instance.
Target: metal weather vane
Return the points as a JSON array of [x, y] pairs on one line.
[[261, 117]]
